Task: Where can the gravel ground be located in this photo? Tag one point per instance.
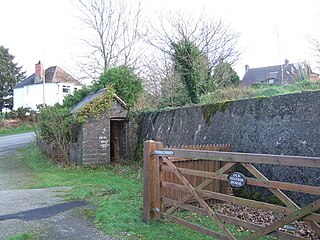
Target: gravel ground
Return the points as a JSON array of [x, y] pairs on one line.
[[72, 224]]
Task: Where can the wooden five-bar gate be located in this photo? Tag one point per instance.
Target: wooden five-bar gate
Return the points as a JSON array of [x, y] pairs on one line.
[[171, 182]]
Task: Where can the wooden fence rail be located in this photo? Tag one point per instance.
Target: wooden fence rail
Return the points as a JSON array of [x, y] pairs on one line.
[[177, 177], [201, 165]]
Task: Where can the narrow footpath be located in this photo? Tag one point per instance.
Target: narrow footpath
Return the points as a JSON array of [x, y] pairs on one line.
[[41, 212]]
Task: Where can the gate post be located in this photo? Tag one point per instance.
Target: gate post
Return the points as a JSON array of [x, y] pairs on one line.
[[151, 181]]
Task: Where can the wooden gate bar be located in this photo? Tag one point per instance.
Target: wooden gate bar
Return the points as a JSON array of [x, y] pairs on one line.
[[196, 227], [245, 202], [230, 220], [223, 169], [284, 198], [203, 165], [286, 220], [253, 181], [247, 157], [183, 188], [202, 203]]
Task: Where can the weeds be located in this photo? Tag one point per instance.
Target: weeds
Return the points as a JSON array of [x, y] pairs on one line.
[[236, 93]]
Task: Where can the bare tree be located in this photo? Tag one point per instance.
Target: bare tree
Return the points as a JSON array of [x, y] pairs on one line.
[[215, 41], [114, 27], [315, 45], [162, 83], [213, 38], [302, 71]]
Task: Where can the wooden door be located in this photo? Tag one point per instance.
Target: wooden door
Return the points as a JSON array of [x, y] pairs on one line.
[[117, 139]]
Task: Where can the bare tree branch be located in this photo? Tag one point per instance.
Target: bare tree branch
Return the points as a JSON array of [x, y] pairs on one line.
[[115, 39], [315, 46], [215, 40]]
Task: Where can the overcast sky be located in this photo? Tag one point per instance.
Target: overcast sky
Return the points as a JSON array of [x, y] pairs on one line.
[[271, 30]]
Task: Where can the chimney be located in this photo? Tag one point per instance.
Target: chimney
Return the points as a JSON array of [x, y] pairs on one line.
[[246, 67], [286, 62], [39, 75]]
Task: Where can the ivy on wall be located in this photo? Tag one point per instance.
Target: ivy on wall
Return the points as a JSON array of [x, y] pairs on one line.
[[96, 107]]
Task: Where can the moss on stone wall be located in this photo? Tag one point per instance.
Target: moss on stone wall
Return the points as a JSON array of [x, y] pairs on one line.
[[136, 118], [262, 98], [211, 109]]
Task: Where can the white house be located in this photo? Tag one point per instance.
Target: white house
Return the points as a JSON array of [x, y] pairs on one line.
[[47, 87]]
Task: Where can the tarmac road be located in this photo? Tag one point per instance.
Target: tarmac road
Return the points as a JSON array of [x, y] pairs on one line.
[[41, 212], [12, 142]]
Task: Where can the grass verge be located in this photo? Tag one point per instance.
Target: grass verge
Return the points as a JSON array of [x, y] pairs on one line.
[[117, 193], [20, 129]]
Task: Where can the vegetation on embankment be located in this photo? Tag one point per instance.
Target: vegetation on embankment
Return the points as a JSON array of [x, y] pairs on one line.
[[24, 236], [9, 127], [256, 91], [117, 193], [17, 121]]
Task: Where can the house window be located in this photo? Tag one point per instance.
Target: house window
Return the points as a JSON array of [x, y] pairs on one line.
[[66, 89]]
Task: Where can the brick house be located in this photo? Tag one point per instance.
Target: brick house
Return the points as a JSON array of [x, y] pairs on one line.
[[105, 139]]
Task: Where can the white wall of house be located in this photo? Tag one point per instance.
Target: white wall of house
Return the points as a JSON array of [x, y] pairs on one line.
[[32, 95]]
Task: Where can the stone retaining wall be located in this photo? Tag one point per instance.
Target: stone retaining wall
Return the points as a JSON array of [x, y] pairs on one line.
[[285, 125]]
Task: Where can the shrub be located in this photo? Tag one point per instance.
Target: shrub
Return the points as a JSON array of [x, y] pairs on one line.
[[125, 83], [76, 97], [57, 128]]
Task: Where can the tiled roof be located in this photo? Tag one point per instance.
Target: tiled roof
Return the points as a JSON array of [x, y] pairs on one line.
[[52, 74], [278, 72], [93, 96]]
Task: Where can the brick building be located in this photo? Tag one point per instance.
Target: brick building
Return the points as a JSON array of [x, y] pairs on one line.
[[104, 139]]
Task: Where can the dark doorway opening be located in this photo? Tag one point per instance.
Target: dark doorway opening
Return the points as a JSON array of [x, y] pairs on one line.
[[118, 139]]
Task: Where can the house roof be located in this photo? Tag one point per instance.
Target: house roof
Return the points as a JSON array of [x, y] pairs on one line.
[[258, 75], [90, 97], [53, 74]]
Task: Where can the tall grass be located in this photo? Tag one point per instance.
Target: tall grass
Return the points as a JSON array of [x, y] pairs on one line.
[[236, 93]]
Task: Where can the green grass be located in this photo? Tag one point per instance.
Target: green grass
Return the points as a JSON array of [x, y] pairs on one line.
[[263, 90], [24, 236], [20, 129], [117, 193]]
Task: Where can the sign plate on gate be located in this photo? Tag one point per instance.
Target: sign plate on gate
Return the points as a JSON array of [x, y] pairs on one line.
[[237, 179], [160, 152]]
